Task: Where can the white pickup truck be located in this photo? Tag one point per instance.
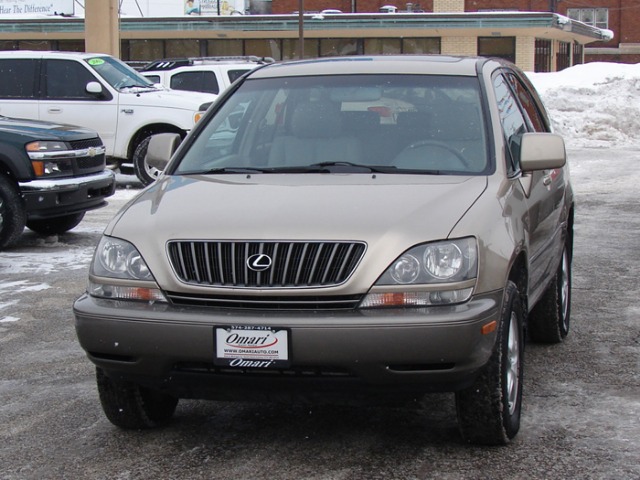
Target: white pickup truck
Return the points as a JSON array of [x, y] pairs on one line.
[[100, 92]]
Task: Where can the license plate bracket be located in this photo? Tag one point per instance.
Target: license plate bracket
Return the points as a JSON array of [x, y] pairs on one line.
[[250, 346]]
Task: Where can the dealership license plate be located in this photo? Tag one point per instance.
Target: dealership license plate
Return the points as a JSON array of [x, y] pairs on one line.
[[251, 347]]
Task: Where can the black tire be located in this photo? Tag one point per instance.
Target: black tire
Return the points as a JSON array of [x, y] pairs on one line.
[[549, 319], [13, 215], [489, 411], [145, 172], [55, 225], [133, 407]]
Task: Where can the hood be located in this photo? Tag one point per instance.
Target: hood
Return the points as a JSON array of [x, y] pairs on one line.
[[34, 129], [164, 97], [390, 213]]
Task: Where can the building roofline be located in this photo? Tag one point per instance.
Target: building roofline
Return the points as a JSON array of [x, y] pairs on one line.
[[444, 23]]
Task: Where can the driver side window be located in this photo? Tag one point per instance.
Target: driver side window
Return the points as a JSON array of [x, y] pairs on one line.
[[512, 120]]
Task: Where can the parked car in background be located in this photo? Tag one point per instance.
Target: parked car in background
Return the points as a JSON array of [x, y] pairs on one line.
[[99, 92], [308, 238], [201, 74], [50, 175]]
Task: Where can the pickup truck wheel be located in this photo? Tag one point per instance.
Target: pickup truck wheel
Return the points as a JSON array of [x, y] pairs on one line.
[[131, 406], [549, 319], [489, 410], [56, 225], [13, 215], [145, 172]]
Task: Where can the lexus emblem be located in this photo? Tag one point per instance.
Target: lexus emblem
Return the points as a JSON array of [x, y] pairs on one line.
[[259, 262]]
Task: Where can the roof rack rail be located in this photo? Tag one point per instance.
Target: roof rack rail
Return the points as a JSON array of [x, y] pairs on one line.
[[171, 63]]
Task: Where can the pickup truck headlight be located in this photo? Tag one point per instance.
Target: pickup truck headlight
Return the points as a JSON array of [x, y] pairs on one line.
[[118, 259], [429, 274], [50, 158]]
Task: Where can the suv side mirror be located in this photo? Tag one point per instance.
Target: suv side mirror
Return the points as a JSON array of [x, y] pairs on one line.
[[161, 148], [94, 88], [542, 151]]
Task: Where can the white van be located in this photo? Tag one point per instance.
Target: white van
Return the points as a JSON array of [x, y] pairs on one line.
[[100, 92]]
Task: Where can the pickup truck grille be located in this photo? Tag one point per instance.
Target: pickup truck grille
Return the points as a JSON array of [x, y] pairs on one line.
[[285, 264], [89, 142]]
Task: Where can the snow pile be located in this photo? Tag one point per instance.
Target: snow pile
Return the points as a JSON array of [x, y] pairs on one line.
[[593, 105]]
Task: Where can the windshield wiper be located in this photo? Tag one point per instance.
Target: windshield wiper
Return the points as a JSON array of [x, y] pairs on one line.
[[353, 167], [213, 171], [137, 86]]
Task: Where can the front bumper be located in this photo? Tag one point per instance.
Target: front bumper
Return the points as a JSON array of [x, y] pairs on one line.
[[65, 196], [409, 350]]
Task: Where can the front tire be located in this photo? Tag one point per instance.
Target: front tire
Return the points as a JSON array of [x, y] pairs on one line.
[[56, 225], [489, 411], [145, 172], [131, 406], [13, 215], [549, 319]]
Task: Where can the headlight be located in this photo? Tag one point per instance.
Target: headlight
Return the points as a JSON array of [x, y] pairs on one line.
[[50, 159], [430, 263], [439, 273], [45, 146], [118, 259]]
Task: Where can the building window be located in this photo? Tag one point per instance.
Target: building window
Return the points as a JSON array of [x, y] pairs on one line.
[[182, 48], [429, 45], [596, 17], [267, 47], [221, 48], [382, 46], [290, 48], [503, 47], [337, 47], [146, 50]]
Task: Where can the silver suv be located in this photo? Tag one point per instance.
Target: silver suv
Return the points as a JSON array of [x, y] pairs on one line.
[[368, 227]]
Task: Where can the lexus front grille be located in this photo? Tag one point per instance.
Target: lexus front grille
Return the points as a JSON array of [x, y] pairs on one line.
[[264, 264]]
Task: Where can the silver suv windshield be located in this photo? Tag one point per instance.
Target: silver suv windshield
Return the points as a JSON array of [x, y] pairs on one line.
[[431, 124], [117, 73]]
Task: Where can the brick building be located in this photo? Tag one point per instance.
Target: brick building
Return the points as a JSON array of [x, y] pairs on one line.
[[523, 31], [622, 17]]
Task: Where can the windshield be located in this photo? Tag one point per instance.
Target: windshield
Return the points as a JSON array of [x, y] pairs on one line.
[[345, 123], [117, 73]]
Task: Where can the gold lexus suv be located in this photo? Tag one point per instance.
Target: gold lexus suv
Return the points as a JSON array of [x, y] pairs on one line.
[[364, 228]]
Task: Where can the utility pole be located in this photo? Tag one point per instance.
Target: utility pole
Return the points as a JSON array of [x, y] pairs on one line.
[[102, 27], [300, 29]]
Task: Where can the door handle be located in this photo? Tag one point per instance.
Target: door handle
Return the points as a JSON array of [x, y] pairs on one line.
[[54, 110]]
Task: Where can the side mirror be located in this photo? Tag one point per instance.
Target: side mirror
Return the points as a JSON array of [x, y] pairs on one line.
[[542, 151], [161, 148], [94, 88]]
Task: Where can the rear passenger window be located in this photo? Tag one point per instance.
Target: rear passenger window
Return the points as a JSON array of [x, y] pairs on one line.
[[67, 80], [195, 81], [236, 74], [18, 78]]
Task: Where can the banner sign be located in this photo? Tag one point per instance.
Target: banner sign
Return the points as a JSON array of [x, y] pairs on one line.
[[213, 7], [36, 7]]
